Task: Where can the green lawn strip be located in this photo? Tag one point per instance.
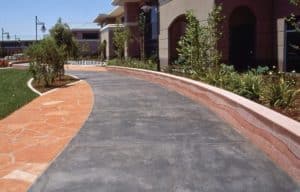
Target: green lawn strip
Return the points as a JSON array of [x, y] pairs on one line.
[[14, 92]]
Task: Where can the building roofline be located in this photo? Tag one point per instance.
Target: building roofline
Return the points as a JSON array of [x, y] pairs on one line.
[[84, 29], [117, 11], [121, 2]]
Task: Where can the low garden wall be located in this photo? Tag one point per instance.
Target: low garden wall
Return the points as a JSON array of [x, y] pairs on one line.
[[277, 135]]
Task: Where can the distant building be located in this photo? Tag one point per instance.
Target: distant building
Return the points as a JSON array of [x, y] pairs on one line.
[[88, 40], [108, 23], [254, 31], [10, 47]]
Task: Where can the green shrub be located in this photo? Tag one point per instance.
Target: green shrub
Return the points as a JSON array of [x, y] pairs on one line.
[[102, 50], [134, 63], [281, 91], [64, 38], [121, 37], [223, 76], [251, 85], [47, 61], [198, 47]]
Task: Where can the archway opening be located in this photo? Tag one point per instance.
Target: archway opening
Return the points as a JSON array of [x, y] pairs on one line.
[[242, 24], [176, 31]]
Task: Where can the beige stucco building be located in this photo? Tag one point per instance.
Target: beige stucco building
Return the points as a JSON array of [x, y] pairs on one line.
[[108, 23], [254, 31]]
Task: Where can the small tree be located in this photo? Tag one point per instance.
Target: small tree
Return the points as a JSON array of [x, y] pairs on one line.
[[63, 37], [141, 40], [121, 37], [214, 35], [48, 60], [84, 49], [189, 44], [198, 47], [102, 50]]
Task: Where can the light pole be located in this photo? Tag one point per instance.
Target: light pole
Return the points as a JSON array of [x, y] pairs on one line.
[[17, 42], [2, 39], [43, 28], [17, 38]]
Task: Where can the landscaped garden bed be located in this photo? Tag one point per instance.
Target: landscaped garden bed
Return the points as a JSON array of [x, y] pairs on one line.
[[278, 91], [14, 92], [57, 83], [275, 90]]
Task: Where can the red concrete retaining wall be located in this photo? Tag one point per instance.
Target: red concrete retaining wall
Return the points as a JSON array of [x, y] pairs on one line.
[[277, 135]]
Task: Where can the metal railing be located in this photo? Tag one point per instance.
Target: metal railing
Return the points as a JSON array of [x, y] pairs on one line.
[[86, 62]]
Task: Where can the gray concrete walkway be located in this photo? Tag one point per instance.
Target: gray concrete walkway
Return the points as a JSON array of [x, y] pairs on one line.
[[142, 137]]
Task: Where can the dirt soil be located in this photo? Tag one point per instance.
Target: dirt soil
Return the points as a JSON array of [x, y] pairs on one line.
[[65, 80]]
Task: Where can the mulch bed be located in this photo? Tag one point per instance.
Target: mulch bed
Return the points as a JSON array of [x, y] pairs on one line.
[[64, 81]]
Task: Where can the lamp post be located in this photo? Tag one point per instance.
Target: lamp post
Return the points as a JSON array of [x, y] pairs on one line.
[[17, 42], [43, 28], [2, 39]]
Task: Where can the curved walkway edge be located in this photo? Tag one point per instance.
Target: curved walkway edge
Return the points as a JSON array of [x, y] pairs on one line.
[[142, 137], [43, 128], [277, 135], [29, 84]]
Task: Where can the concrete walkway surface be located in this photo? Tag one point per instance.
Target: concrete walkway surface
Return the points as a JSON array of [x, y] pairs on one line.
[[33, 136], [141, 137]]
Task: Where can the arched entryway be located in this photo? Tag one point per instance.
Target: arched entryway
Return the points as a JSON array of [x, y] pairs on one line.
[[242, 24], [176, 31]]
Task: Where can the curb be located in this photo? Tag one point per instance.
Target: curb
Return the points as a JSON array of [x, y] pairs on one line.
[[2, 68], [29, 84]]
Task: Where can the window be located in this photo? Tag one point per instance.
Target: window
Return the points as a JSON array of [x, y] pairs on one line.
[[154, 22], [90, 36], [293, 47]]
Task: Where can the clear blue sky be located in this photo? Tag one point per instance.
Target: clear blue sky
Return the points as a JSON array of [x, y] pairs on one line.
[[18, 16]]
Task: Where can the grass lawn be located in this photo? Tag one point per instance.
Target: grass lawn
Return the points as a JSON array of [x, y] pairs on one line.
[[14, 92]]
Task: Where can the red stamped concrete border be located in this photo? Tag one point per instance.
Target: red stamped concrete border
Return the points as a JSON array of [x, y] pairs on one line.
[[33, 136], [277, 135]]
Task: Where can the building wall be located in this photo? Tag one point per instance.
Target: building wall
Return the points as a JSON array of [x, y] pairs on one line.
[[270, 31], [107, 35], [92, 43], [131, 14], [169, 11], [282, 9], [263, 11]]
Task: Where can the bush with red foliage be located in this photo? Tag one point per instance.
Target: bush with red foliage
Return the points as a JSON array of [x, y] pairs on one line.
[[3, 63]]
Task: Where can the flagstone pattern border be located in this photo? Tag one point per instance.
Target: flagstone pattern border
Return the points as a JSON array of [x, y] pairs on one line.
[[33, 136]]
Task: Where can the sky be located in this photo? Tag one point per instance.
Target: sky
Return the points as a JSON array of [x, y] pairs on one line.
[[18, 16]]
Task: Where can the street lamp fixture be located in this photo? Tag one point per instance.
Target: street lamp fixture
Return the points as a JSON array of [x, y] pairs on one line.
[[18, 41], [37, 23], [146, 8], [17, 38], [5, 33]]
